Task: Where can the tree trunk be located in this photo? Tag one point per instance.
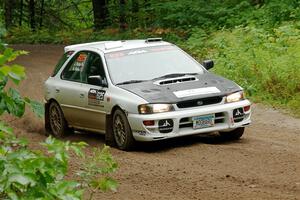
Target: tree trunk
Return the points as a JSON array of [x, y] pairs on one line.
[[100, 13], [80, 13], [42, 13], [8, 12], [147, 4], [21, 13], [135, 12], [258, 2], [122, 18], [32, 14]]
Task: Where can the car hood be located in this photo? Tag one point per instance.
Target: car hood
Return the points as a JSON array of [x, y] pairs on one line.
[[204, 86]]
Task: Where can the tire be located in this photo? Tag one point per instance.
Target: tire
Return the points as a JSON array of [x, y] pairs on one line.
[[57, 123], [234, 134], [122, 131]]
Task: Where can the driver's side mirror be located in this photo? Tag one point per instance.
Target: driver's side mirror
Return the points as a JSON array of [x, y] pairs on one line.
[[208, 64], [97, 80]]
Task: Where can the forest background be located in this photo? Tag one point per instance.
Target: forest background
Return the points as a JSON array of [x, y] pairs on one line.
[[254, 42]]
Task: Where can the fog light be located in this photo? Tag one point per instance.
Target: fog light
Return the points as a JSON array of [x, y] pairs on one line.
[[148, 122], [247, 108]]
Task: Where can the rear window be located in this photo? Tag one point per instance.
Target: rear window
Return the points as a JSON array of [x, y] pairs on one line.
[[61, 62]]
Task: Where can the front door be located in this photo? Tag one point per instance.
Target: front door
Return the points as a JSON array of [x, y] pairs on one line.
[[95, 93]]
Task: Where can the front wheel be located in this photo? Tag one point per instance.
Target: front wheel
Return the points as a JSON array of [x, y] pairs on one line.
[[234, 134], [122, 131]]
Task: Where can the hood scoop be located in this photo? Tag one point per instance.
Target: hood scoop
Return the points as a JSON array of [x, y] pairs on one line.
[[191, 90], [176, 80]]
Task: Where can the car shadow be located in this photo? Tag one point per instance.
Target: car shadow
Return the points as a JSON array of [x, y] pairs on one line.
[[91, 138], [98, 140], [186, 141]]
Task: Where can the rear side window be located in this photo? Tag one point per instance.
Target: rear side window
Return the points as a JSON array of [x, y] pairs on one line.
[[61, 62], [74, 71]]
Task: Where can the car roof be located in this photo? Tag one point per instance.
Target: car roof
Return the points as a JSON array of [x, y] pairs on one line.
[[111, 46]]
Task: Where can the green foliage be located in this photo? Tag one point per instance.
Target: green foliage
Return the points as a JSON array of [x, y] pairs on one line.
[[27, 174], [11, 100], [265, 63], [94, 172], [211, 15], [74, 21]]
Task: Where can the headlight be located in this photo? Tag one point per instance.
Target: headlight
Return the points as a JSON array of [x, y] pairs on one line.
[[154, 108], [237, 96]]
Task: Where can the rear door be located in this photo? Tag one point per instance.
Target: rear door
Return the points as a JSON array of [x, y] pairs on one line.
[[70, 93]]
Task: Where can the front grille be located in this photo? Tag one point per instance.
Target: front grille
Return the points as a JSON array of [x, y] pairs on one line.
[[199, 102], [187, 121]]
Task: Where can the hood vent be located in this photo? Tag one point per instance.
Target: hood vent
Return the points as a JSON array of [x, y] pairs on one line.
[[177, 80]]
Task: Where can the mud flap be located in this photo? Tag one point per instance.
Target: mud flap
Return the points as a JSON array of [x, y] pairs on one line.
[[46, 118], [109, 137]]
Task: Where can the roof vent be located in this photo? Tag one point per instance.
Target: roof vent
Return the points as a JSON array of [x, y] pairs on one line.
[[149, 40], [113, 45]]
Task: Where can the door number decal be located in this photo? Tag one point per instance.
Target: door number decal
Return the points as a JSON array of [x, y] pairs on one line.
[[96, 97]]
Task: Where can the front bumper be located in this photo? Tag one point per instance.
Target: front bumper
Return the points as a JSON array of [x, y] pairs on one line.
[[224, 120]]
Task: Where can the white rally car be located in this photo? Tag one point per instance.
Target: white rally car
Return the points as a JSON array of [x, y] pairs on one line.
[[140, 90]]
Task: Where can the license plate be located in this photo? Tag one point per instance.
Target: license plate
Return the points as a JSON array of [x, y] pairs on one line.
[[204, 121]]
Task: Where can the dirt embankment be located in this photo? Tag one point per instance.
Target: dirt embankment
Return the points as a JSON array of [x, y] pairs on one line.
[[264, 164]]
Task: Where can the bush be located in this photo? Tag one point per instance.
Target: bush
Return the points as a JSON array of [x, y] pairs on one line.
[[266, 63]]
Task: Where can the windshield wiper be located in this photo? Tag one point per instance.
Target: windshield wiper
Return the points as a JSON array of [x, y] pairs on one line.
[[174, 75], [130, 82]]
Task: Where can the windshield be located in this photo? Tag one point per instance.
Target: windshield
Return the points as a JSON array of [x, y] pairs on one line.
[[149, 63]]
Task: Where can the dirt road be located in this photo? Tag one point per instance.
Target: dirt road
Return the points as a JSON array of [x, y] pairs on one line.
[[264, 164]]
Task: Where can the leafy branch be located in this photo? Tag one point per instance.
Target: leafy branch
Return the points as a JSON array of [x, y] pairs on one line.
[[28, 174]]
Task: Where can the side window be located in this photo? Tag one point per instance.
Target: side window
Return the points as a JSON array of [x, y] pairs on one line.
[[95, 70], [61, 62], [74, 71]]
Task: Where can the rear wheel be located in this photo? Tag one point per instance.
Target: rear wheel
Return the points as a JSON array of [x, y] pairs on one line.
[[58, 124], [122, 131], [234, 134]]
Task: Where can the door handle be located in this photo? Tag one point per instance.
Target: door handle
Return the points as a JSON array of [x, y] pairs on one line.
[[81, 95]]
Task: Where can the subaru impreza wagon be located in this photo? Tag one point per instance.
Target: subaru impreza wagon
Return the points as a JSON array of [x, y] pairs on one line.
[[141, 90]]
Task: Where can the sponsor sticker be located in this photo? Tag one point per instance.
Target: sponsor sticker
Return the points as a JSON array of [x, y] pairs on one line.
[[163, 48], [78, 65], [197, 91], [115, 55], [143, 133], [165, 125], [238, 114], [81, 57], [96, 97], [137, 52]]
